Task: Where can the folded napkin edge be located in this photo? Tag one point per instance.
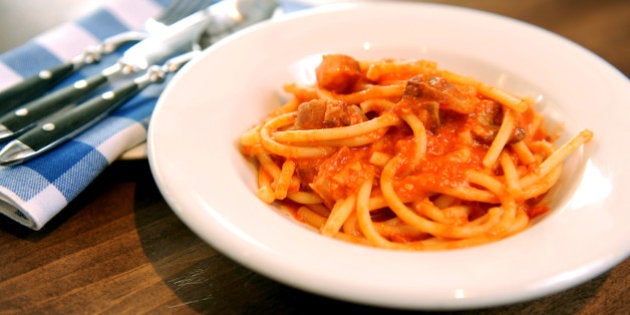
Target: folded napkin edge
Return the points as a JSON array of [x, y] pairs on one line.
[[11, 209]]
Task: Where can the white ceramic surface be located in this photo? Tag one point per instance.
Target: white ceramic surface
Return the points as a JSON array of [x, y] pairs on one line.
[[195, 160]]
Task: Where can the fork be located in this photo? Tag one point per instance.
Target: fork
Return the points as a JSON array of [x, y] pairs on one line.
[[37, 85]]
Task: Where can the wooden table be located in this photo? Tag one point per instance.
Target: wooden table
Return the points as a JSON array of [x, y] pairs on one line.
[[118, 248]]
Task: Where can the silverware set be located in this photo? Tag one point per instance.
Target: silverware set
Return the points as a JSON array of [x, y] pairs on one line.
[[36, 120]]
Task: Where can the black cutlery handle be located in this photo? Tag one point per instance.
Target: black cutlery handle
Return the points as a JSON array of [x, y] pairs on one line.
[[33, 87], [24, 116], [64, 126]]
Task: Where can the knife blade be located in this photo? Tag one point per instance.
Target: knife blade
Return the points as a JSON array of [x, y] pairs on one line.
[[176, 38], [234, 16]]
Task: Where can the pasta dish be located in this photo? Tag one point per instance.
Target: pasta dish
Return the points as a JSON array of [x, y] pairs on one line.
[[401, 154]]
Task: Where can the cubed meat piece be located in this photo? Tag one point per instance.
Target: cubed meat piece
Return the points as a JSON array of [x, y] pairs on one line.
[[437, 89], [338, 73], [324, 113]]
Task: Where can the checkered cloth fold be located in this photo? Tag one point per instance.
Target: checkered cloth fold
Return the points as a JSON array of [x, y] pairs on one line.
[[34, 192]]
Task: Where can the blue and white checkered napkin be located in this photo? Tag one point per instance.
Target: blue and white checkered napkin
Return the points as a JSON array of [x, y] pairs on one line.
[[34, 192]]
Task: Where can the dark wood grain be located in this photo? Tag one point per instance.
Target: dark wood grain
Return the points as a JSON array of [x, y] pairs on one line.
[[119, 249]]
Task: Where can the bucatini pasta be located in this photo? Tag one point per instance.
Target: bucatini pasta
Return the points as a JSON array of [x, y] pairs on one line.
[[400, 154]]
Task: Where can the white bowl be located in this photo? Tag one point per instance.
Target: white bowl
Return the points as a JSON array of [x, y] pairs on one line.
[[210, 186]]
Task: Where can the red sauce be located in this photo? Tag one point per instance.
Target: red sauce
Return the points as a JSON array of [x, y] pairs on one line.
[[446, 162]]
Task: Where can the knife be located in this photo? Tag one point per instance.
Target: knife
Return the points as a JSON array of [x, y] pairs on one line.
[[59, 128], [177, 37], [35, 86]]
